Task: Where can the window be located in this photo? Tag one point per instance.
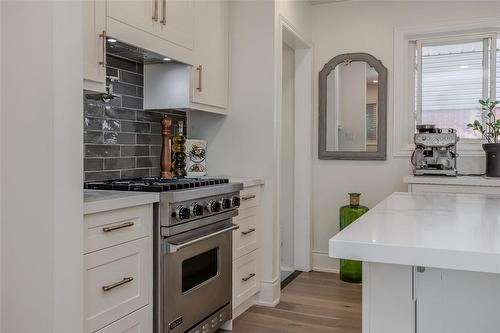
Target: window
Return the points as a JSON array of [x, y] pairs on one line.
[[452, 74]]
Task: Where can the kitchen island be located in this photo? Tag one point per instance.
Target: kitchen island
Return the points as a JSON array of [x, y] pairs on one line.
[[431, 263]]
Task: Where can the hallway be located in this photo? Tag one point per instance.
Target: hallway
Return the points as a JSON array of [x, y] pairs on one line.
[[313, 303]]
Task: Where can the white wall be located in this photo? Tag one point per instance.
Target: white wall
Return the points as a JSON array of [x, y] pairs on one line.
[[243, 142], [368, 26], [41, 167]]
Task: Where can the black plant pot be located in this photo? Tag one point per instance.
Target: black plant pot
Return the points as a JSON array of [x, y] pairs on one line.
[[492, 159]]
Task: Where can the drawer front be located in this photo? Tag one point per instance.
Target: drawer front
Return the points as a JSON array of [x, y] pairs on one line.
[[455, 189], [250, 197], [245, 278], [245, 238], [140, 321], [116, 282], [118, 226]]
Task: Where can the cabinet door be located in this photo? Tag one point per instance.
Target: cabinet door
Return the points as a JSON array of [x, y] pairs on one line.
[[141, 14], [94, 23], [210, 81], [451, 301], [177, 22]]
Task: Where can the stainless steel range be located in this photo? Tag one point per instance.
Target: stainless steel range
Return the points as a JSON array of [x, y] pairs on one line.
[[192, 250]]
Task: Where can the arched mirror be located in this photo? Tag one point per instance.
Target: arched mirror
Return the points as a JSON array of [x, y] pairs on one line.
[[353, 108]]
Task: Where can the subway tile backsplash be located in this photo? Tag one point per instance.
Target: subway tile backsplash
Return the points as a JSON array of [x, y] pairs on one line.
[[121, 140]]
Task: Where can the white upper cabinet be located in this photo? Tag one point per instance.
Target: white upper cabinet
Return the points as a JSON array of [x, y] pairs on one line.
[[94, 53], [210, 70], [162, 26]]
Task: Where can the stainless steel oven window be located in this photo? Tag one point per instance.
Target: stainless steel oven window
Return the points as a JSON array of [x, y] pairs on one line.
[[200, 269]]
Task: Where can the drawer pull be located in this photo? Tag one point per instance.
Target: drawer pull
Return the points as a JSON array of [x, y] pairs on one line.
[[245, 279], [248, 197], [117, 284], [249, 231], [118, 226]]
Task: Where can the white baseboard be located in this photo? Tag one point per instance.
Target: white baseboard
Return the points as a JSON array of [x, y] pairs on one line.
[[323, 263], [270, 292]]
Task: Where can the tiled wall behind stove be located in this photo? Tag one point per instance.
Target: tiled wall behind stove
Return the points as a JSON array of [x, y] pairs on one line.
[[121, 140]]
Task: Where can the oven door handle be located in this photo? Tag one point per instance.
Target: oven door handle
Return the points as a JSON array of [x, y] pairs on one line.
[[171, 248]]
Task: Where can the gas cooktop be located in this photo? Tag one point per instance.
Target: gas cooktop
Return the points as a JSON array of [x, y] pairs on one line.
[[153, 184]]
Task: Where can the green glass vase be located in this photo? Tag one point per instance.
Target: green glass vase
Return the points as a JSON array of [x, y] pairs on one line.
[[351, 270]]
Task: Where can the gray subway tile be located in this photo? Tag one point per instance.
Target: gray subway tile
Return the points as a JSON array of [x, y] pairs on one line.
[[110, 125], [131, 102], [118, 138], [149, 116], [135, 127], [92, 164], [152, 139], [154, 172], [92, 137], [140, 68], [133, 173], [124, 89], [148, 162], [92, 123], [156, 129], [120, 113], [111, 71], [135, 150], [155, 150], [121, 63], [132, 78], [101, 175], [102, 151], [93, 109], [119, 163], [140, 92]]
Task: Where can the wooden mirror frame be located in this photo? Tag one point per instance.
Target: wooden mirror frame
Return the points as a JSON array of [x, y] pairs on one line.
[[380, 154]]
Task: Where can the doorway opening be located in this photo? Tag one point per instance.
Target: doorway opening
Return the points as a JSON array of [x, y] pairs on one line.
[[293, 167]]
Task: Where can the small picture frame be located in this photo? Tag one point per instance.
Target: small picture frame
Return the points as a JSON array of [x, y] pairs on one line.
[[196, 151]]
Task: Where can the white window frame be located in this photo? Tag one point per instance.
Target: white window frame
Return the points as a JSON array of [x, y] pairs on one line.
[[404, 88]]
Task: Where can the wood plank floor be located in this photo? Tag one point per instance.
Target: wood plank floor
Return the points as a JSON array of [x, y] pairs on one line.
[[313, 303]]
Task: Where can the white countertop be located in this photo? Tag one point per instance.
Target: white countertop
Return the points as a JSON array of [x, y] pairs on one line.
[[247, 181], [455, 231], [459, 180], [96, 201]]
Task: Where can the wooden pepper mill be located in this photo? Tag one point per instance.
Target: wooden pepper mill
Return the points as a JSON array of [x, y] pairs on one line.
[[166, 155]]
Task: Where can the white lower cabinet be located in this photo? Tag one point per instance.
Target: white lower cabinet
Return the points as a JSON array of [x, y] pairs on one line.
[[118, 270], [139, 321], [246, 278]]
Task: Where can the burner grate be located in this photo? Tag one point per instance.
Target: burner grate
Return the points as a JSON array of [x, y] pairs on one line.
[[153, 184]]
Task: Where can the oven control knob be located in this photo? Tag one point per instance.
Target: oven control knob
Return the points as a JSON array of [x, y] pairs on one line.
[[182, 213], [235, 201], [213, 206], [225, 203], [196, 210]]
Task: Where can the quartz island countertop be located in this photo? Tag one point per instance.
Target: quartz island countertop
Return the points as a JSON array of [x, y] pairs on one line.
[[100, 200], [453, 231]]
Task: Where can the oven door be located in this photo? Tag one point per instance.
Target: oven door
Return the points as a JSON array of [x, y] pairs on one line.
[[196, 275]]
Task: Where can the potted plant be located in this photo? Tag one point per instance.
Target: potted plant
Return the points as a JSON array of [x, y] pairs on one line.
[[491, 133]]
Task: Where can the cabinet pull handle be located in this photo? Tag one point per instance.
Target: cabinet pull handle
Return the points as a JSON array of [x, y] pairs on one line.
[[117, 284], [249, 231], [248, 197], [155, 10], [103, 63], [164, 13], [245, 279], [118, 226], [199, 69]]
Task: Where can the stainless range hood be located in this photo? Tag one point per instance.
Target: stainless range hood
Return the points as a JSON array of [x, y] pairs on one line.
[[166, 81]]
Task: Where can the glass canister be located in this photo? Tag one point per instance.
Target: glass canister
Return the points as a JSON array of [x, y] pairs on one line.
[[351, 270]]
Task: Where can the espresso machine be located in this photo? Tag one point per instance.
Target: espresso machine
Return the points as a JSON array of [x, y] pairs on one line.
[[435, 151]]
